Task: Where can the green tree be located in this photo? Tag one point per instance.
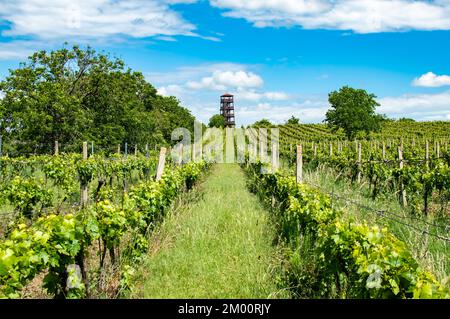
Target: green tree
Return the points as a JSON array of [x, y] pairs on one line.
[[74, 95], [262, 123], [353, 110], [406, 120], [293, 120], [217, 120]]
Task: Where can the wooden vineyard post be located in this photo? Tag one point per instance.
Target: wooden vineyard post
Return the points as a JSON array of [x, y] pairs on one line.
[[180, 154], [56, 148], [118, 149], [359, 162], [274, 158], [299, 164], [161, 163], [147, 155], [79, 258], [425, 193], [315, 150], [438, 154], [84, 188], [290, 152], [262, 146], [402, 188], [92, 148], [331, 149], [126, 149]]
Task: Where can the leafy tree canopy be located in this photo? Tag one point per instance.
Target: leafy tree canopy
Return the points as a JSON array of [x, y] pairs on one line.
[[405, 119], [217, 120], [293, 120], [75, 95], [353, 110], [262, 123]]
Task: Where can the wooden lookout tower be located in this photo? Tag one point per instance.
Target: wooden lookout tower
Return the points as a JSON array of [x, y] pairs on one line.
[[227, 109]]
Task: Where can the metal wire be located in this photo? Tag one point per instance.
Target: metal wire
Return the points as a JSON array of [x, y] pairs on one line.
[[387, 214]]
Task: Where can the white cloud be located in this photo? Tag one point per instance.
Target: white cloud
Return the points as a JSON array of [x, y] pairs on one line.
[[221, 80], [170, 90], [166, 38], [17, 49], [50, 19], [241, 83], [251, 95], [418, 106], [432, 80], [248, 95], [181, 75], [279, 114], [277, 96], [366, 16]]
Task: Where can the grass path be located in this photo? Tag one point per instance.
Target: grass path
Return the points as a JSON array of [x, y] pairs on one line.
[[217, 247]]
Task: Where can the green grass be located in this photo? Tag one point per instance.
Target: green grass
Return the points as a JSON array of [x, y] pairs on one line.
[[217, 247]]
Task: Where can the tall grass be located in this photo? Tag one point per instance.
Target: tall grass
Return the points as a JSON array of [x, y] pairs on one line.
[[217, 247]]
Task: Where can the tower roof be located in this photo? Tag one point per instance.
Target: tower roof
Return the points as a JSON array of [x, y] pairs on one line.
[[227, 94]]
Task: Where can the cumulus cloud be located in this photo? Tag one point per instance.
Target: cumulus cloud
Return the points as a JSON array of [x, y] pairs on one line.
[[366, 16], [251, 95], [170, 90], [432, 80], [313, 110], [280, 113], [242, 84], [18, 49], [49, 19], [221, 80], [419, 106], [278, 96], [184, 74]]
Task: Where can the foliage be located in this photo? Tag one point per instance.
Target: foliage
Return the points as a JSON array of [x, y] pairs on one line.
[[406, 120], [262, 123], [25, 194], [73, 95], [357, 260], [55, 241], [293, 120], [353, 110], [217, 120]]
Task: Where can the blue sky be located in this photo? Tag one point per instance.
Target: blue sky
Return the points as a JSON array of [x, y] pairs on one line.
[[279, 58]]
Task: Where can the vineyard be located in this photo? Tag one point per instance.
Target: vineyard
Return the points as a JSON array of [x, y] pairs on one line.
[[68, 220], [367, 218], [389, 130], [363, 204]]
